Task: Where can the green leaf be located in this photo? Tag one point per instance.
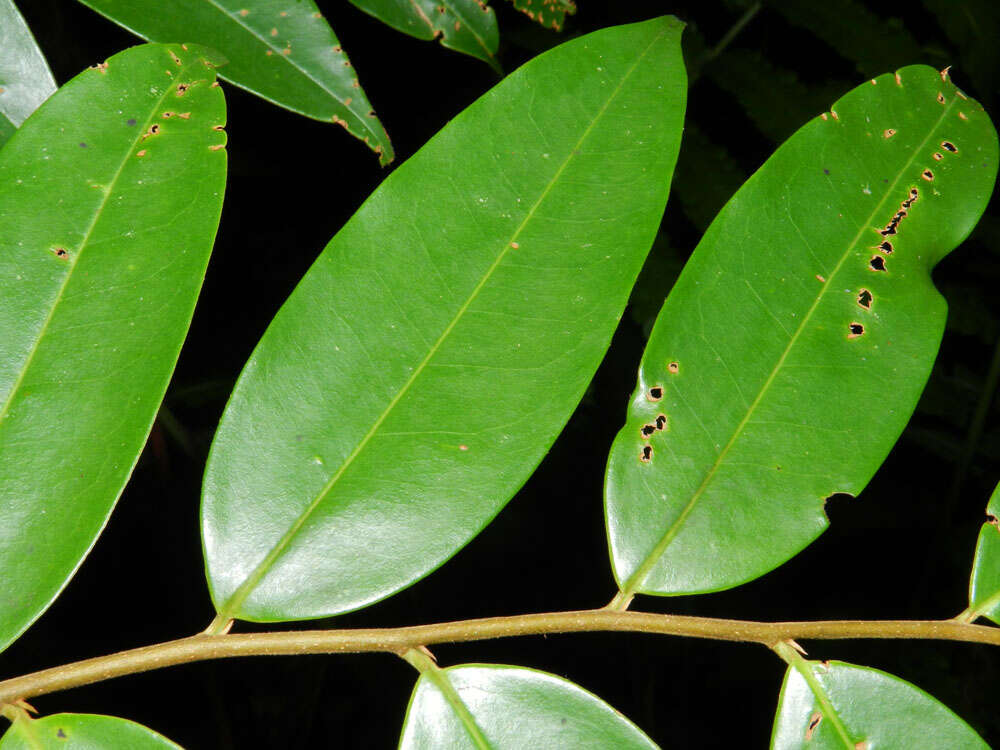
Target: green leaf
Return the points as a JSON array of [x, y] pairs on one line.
[[283, 52], [428, 359], [498, 707], [467, 26], [25, 80], [82, 732], [551, 13], [110, 196], [838, 706], [984, 587], [786, 361]]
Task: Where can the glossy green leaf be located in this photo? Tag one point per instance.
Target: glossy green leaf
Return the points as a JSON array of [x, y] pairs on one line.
[[110, 196], [551, 13], [426, 362], [793, 348], [82, 732], [838, 706], [467, 26], [282, 51], [25, 80], [496, 707], [984, 588]]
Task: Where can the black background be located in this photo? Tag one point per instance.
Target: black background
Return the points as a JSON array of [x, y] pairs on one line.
[[900, 550]]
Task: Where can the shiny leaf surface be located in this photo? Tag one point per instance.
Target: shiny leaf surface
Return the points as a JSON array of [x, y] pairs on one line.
[[793, 348], [501, 707], [430, 356], [838, 706], [82, 732], [25, 80], [468, 26], [984, 588], [284, 52], [110, 196]]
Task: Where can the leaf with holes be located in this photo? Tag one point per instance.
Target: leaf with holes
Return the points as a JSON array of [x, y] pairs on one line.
[[551, 13], [793, 348], [110, 196], [25, 80], [984, 588], [501, 707], [836, 706], [428, 359], [283, 52], [467, 26], [81, 731]]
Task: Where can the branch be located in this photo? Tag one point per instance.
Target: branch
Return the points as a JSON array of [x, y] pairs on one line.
[[400, 640]]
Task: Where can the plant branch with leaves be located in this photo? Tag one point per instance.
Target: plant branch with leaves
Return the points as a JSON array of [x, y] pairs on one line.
[[432, 354]]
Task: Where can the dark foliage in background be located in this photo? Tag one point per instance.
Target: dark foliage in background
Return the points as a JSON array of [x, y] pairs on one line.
[[901, 550]]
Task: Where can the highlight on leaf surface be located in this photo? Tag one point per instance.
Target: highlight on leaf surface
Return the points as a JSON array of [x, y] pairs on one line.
[[793, 348], [984, 587], [110, 195], [81, 732], [838, 706], [510, 708], [468, 26], [283, 52], [25, 79], [464, 308]]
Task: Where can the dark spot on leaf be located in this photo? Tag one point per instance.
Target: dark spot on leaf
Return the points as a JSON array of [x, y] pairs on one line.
[[647, 430], [83, 145], [655, 393], [674, 367], [993, 521], [661, 421], [61, 734], [826, 171], [865, 299], [814, 721], [646, 455], [927, 175], [856, 329], [60, 252], [182, 88], [877, 263], [938, 156], [888, 133], [886, 247], [130, 121], [940, 98], [949, 146]]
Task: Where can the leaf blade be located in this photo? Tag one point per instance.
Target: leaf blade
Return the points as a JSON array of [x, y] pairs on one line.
[[764, 419], [284, 53], [550, 711], [550, 13], [984, 585], [99, 288], [840, 706], [437, 252], [81, 730], [25, 79], [467, 26]]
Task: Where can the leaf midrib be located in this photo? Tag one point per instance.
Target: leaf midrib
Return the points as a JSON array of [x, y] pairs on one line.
[[288, 59], [636, 580], [12, 394], [235, 601]]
